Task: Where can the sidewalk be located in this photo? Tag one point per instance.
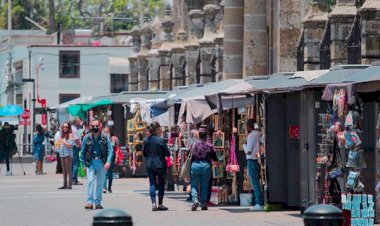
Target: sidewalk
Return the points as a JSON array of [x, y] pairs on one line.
[[35, 200]]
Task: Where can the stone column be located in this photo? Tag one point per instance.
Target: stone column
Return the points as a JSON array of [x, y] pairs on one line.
[[143, 69], [207, 45], [341, 22], [154, 65], [370, 15], [178, 70], [142, 57], [192, 58], [314, 26], [233, 39], [165, 54], [255, 60], [133, 73], [165, 74], [219, 58], [136, 39]]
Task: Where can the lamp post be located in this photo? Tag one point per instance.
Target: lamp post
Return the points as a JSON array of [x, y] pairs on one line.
[[25, 80]]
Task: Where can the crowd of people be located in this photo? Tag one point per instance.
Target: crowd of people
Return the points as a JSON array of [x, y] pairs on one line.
[[98, 150]]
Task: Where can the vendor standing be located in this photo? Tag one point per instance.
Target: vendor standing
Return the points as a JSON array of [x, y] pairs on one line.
[[252, 149]]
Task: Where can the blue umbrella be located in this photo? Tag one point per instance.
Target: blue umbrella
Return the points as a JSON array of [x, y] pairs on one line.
[[11, 110]]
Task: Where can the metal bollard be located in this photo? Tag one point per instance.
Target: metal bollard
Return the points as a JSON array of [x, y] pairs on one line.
[[323, 215], [114, 217]]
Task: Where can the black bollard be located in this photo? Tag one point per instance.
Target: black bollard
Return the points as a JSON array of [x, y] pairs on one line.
[[323, 215], [114, 217]]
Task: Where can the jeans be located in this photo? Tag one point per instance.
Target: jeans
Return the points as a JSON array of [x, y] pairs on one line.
[[75, 163], [253, 173], [200, 173], [154, 176], [109, 175], [97, 170]]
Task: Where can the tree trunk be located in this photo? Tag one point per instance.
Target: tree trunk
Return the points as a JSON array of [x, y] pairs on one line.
[[52, 25]]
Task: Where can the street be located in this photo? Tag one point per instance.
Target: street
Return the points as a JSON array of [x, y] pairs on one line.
[[35, 200]]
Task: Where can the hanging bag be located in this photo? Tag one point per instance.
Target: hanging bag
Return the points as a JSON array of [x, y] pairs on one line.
[[233, 165], [186, 167]]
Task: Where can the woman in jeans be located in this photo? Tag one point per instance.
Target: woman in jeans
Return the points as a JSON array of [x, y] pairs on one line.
[[65, 144], [203, 154], [155, 150]]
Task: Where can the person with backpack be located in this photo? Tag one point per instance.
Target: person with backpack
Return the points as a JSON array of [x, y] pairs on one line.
[[96, 156]]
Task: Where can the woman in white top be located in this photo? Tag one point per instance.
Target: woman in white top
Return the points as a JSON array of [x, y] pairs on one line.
[[65, 144]]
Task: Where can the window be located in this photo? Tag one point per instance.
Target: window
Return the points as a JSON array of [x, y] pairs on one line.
[[67, 97], [119, 83], [69, 64]]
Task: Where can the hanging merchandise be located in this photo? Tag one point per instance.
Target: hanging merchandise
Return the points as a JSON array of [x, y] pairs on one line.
[[233, 165]]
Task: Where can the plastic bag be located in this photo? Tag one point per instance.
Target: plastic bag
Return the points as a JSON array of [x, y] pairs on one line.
[[81, 171]]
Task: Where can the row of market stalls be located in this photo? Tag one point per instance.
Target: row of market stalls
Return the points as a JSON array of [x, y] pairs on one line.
[[319, 133], [311, 122]]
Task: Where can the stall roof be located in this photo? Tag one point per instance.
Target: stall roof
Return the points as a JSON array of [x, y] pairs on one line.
[[79, 100], [366, 81], [336, 74], [125, 97], [369, 74], [206, 89]]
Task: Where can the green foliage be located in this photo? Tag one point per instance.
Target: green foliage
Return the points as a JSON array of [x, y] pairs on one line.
[[79, 13]]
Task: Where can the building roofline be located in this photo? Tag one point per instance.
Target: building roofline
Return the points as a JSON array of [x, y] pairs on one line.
[[75, 45]]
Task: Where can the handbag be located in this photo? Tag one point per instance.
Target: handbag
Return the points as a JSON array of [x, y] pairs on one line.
[[186, 167], [233, 165]]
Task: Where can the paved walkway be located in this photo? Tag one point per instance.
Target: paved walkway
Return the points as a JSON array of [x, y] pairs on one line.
[[35, 201]]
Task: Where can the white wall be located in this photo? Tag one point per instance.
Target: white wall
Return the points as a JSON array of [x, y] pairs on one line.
[[94, 71]]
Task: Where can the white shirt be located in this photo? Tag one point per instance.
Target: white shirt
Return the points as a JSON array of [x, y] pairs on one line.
[[252, 145], [76, 134]]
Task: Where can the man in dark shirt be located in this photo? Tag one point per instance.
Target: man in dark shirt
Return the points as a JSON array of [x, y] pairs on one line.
[[155, 150]]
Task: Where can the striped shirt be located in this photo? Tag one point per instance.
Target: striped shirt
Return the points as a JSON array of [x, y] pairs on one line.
[[65, 151]]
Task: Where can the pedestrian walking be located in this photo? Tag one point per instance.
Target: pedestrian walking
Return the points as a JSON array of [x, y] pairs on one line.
[[155, 150], [203, 154], [76, 148], [8, 144], [116, 148], [66, 144], [39, 148], [252, 149], [96, 155]]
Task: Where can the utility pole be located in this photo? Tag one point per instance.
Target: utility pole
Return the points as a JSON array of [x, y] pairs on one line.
[[10, 76], [141, 13]]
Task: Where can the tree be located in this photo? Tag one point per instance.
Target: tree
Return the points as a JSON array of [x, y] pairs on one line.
[[88, 14]]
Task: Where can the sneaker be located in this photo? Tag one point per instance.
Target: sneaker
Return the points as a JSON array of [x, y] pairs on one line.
[[8, 173], [154, 207], [98, 207], [194, 206], [77, 183], [204, 208], [257, 208], [104, 190], [109, 191], [88, 206], [63, 187], [162, 208]]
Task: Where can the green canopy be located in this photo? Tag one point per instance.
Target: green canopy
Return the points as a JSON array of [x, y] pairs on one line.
[[80, 109]]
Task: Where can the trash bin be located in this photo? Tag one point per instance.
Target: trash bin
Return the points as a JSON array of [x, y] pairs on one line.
[[323, 215], [114, 217]]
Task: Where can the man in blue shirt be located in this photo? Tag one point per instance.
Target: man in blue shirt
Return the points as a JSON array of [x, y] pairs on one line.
[[96, 154]]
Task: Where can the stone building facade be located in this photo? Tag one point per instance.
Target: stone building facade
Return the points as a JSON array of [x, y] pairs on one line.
[[201, 41]]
